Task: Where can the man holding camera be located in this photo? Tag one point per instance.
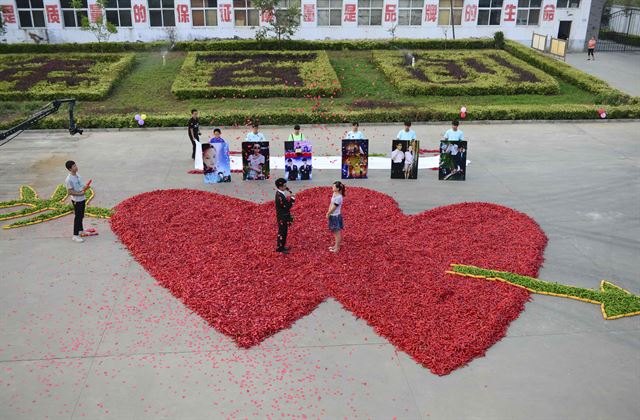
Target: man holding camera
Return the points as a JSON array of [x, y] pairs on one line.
[[283, 213]]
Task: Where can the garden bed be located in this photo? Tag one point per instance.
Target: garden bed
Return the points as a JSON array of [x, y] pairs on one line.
[[247, 74], [463, 72], [51, 76]]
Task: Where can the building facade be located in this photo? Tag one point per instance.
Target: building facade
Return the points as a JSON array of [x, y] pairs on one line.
[[56, 21]]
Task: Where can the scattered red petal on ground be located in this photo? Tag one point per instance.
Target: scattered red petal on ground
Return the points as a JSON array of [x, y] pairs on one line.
[[216, 254]]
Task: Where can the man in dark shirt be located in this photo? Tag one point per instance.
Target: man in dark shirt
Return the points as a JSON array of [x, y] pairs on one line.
[[194, 131], [283, 213], [291, 170], [305, 170]]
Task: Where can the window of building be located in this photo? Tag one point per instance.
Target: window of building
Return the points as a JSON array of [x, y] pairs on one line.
[[329, 12], [528, 12], [410, 12], [444, 12], [161, 13], [73, 17], [119, 12], [245, 14], [370, 12], [204, 12], [31, 13], [489, 12], [567, 4]]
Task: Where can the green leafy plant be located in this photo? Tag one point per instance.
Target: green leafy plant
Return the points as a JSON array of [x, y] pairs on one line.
[[101, 28], [498, 40], [283, 22]]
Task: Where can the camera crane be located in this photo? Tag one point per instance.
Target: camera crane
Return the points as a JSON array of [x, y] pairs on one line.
[[45, 111]]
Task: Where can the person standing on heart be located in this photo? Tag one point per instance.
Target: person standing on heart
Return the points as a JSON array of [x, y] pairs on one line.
[[334, 214], [283, 213]]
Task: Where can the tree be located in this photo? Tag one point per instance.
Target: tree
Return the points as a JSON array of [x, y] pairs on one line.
[[283, 22], [101, 28]]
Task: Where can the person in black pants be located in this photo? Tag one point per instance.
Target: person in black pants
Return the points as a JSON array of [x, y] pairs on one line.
[[283, 213], [76, 190], [194, 131]]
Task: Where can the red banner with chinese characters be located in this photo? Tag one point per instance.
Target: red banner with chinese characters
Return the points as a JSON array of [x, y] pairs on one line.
[[8, 14], [430, 12], [95, 12], [53, 13], [350, 12], [309, 13], [390, 13]]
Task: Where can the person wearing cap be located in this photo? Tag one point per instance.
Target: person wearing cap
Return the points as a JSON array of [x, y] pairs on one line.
[[296, 135], [454, 133], [283, 213], [255, 135]]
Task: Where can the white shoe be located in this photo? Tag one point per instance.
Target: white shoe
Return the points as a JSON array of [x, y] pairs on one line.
[[76, 238]]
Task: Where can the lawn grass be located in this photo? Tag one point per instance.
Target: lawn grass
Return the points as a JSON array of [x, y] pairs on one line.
[[147, 89]]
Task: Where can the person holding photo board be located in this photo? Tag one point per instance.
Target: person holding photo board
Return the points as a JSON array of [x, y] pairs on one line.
[[454, 133], [406, 133]]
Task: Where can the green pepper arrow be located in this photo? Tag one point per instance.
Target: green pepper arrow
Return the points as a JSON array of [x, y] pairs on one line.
[[614, 301]]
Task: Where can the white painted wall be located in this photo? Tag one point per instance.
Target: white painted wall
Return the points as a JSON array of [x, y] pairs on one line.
[[309, 29]]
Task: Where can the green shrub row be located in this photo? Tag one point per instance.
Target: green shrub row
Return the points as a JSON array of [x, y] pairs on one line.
[[441, 82], [250, 44], [107, 70], [318, 76], [605, 94], [433, 113], [626, 39]]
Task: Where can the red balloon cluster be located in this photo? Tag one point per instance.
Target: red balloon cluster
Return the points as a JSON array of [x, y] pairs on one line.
[[602, 113], [463, 112]]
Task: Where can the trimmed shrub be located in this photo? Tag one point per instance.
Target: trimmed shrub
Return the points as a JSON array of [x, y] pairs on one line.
[[463, 72], [247, 74], [605, 94], [50, 76]]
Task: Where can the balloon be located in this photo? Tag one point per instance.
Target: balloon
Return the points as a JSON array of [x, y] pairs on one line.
[[603, 115], [137, 117], [600, 110], [143, 116], [463, 115], [141, 121], [463, 109]]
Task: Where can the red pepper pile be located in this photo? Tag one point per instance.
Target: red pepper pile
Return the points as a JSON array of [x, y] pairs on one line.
[[216, 254]]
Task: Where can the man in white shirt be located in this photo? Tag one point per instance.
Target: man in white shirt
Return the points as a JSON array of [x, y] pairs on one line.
[[407, 133], [254, 135], [256, 163], [397, 158], [355, 134], [76, 190], [454, 133]]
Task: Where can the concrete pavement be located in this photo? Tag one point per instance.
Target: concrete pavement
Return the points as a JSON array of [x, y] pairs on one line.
[[86, 333]]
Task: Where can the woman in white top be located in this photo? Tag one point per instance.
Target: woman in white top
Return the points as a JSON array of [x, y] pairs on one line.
[[334, 214], [408, 162]]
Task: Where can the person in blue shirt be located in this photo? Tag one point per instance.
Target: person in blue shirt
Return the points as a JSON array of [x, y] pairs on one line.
[[454, 133]]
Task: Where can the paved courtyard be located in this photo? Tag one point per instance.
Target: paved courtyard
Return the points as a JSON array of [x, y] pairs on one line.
[[85, 332]]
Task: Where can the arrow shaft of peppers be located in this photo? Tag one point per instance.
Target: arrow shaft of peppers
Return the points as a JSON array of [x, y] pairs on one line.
[[531, 284]]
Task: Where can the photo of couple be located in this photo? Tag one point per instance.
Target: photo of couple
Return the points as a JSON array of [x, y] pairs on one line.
[[355, 158], [298, 160], [453, 161], [404, 159]]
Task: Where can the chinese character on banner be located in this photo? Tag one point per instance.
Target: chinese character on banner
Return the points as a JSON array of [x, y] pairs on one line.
[[53, 14], [139, 13], [95, 12], [309, 12], [8, 14], [390, 14], [225, 13], [183, 13], [549, 12], [470, 13], [349, 12], [267, 16], [510, 11], [430, 13]]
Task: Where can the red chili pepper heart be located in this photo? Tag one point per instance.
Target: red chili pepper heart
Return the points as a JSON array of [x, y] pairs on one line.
[[216, 254]]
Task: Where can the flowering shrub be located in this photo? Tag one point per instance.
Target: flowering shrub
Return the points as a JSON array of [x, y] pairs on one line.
[[463, 72], [253, 74], [51, 76]]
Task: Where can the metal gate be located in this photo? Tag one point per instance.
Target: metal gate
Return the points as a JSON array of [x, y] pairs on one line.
[[619, 30]]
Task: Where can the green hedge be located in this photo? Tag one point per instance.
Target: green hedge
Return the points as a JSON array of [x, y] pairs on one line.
[[249, 44], [435, 113], [317, 75], [620, 38], [438, 81], [102, 75], [605, 94]]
